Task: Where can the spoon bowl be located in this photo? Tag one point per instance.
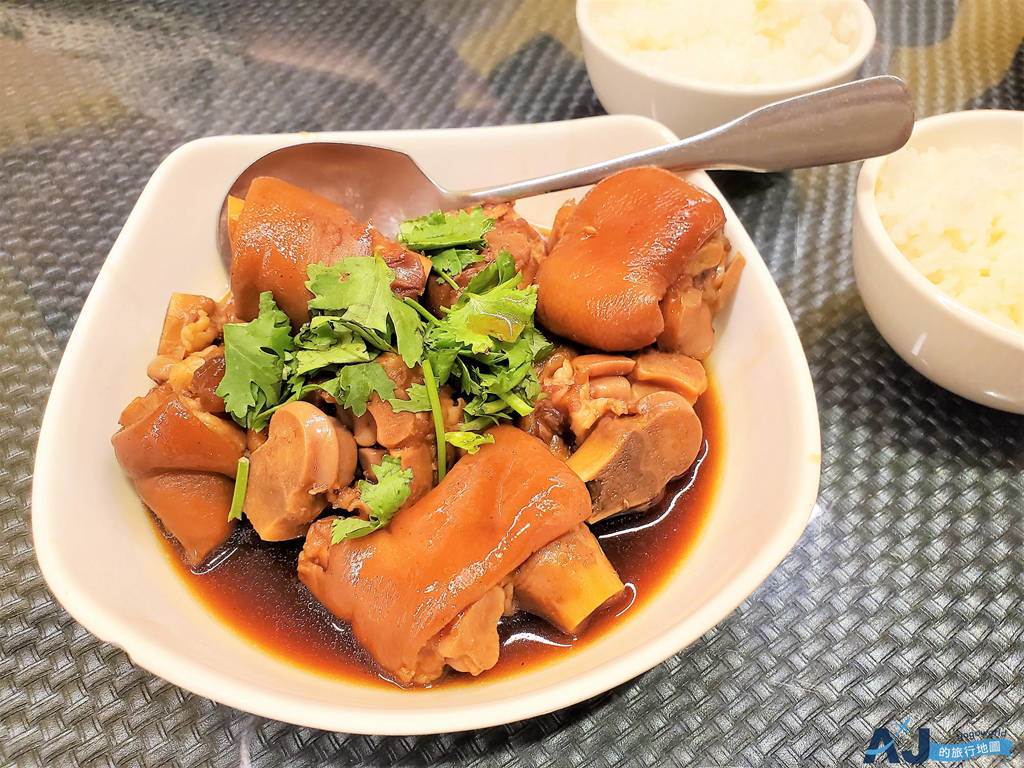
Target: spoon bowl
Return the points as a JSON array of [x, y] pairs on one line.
[[360, 178], [849, 122]]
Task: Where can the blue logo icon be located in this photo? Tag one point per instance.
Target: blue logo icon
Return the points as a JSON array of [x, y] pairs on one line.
[[975, 744]]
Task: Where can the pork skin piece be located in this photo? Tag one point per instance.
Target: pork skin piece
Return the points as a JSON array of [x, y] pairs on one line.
[[619, 251], [181, 461], [192, 507], [404, 584], [282, 229]]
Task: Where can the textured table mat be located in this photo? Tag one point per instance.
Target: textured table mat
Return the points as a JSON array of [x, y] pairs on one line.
[[904, 597]]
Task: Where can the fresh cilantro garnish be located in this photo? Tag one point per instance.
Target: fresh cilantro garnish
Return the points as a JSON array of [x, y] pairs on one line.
[[304, 361], [499, 271], [468, 441], [383, 499], [484, 347], [430, 384], [418, 400], [481, 320], [437, 231], [238, 495], [254, 357], [451, 261], [357, 291], [488, 344], [355, 384]]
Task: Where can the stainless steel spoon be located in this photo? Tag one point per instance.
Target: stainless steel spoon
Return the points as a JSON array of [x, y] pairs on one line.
[[849, 122]]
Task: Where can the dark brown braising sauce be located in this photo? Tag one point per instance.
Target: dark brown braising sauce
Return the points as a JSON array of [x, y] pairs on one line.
[[252, 585]]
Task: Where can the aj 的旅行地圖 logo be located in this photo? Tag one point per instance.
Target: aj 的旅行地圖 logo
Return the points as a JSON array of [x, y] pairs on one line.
[[883, 745]]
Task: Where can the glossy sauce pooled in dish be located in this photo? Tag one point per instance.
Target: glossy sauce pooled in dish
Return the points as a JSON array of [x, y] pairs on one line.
[[456, 479], [252, 587]]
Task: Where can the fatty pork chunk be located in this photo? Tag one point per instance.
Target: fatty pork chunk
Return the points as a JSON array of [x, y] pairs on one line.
[[640, 260], [280, 229], [427, 591], [180, 455], [182, 462], [512, 234], [631, 420]]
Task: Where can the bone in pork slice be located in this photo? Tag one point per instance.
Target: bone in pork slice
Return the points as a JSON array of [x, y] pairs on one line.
[[181, 461], [282, 229], [567, 580], [626, 461], [625, 243], [401, 586], [306, 454]]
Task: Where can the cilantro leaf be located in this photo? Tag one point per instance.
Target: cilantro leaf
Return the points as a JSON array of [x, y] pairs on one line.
[[321, 332], [419, 400], [357, 287], [501, 314], [452, 261], [355, 384], [254, 357], [437, 230], [468, 441], [304, 361], [357, 291], [501, 270], [408, 332], [383, 499], [351, 528], [442, 360]]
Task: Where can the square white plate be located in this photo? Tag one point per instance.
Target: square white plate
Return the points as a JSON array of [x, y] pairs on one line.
[[101, 556]]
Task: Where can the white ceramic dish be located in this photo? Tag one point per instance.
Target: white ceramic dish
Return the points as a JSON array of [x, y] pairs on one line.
[[690, 106], [104, 562], [943, 340]]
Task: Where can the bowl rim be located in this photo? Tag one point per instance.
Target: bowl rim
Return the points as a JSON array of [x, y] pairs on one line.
[[868, 33], [149, 652], [867, 210]]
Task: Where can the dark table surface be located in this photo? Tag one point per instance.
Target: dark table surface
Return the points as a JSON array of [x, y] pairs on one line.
[[905, 595]]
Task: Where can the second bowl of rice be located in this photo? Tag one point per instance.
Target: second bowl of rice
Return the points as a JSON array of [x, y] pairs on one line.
[[938, 244]]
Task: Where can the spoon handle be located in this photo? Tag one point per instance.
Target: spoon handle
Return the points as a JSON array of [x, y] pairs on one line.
[[849, 122]]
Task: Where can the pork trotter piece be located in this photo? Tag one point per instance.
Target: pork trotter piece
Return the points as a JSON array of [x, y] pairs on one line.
[[306, 454], [567, 580], [282, 229], [181, 461], [404, 584], [627, 241], [627, 461]]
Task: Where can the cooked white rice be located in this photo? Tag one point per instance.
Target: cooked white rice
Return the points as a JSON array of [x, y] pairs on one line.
[[957, 214], [730, 41]]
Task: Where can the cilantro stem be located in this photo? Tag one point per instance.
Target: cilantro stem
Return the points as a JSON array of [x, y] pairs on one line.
[[422, 311], [370, 337], [515, 402], [238, 496], [448, 279], [435, 407]]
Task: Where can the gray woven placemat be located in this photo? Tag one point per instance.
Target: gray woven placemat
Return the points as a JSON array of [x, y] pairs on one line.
[[905, 596]]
